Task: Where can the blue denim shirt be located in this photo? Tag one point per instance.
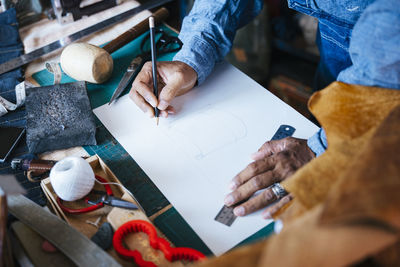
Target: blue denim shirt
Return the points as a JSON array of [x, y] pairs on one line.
[[208, 31], [10, 47], [358, 40]]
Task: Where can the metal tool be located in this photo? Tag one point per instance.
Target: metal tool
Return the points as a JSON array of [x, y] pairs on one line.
[[131, 72], [96, 222], [170, 253], [226, 215], [165, 44], [66, 11], [107, 198], [67, 239], [283, 132], [114, 202], [24, 59], [90, 208]]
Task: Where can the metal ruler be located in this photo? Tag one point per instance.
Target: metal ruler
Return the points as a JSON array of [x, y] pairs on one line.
[[226, 215], [24, 59]]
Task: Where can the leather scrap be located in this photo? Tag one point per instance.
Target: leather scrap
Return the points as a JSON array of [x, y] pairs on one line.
[[350, 115], [379, 198]]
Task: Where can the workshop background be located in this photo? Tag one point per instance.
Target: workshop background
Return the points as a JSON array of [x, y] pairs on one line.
[[277, 49]]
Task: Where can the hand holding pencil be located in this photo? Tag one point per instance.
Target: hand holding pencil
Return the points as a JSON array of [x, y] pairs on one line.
[[174, 78]]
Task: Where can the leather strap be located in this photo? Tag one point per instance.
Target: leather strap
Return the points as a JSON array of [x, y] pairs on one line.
[[39, 165], [72, 243]]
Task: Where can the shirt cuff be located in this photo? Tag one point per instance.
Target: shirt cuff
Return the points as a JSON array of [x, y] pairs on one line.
[[199, 55], [318, 143]]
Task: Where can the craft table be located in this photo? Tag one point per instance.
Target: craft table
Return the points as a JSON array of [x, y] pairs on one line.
[[155, 205]]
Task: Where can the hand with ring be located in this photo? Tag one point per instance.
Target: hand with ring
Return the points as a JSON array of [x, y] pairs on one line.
[[275, 161]]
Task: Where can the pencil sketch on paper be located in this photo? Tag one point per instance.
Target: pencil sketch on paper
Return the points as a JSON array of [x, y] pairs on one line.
[[199, 135]]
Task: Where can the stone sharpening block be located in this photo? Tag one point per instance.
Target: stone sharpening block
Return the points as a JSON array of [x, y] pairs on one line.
[[58, 117]]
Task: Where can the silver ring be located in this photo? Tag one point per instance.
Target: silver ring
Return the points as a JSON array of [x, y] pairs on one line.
[[278, 190]]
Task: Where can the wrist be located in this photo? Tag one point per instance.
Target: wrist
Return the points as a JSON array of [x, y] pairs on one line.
[[191, 72], [189, 76]]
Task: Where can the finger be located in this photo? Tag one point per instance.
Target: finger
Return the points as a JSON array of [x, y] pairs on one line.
[[141, 103], [146, 92], [269, 212], [264, 151], [260, 201], [246, 190], [259, 155], [169, 110], [253, 169], [168, 93], [144, 84], [163, 114], [269, 148]]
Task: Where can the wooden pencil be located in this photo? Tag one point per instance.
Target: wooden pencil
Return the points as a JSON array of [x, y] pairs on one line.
[[154, 62]]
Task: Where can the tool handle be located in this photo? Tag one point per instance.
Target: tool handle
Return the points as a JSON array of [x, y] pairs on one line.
[[131, 34], [119, 203], [25, 164]]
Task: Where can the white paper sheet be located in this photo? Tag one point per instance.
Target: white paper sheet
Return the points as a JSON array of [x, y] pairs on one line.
[[193, 155]]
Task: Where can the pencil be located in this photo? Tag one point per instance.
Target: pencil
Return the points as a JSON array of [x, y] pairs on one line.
[[154, 62]]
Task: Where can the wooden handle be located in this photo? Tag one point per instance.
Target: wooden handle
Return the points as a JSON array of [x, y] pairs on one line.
[[135, 31]]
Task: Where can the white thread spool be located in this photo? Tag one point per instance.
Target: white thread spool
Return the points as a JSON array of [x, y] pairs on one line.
[[72, 178]]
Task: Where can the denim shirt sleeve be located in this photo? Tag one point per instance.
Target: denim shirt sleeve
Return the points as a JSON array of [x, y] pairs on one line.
[[208, 31], [318, 143], [375, 54], [374, 47]]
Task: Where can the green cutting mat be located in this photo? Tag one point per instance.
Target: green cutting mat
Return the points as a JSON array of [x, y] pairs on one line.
[[124, 166], [99, 94]]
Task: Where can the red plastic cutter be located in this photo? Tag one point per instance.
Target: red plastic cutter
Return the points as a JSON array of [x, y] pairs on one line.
[[170, 253]]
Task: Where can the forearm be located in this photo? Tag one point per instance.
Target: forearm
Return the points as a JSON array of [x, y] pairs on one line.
[[208, 31]]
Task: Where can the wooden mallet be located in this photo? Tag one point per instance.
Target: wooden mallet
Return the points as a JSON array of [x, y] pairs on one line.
[[87, 62]]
